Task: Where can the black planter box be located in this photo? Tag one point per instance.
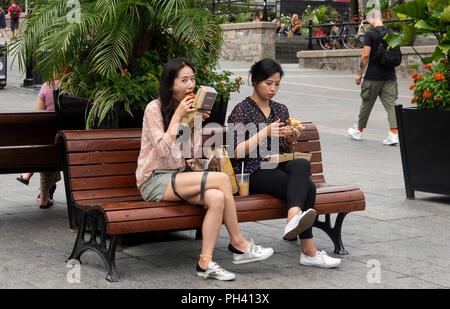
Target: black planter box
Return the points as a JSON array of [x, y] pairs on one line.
[[424, 138]]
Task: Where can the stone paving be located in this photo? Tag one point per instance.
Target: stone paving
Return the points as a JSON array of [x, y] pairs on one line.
[[394, 243]]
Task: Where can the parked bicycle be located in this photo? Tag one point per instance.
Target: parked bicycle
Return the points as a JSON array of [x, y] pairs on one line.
[[335, 36], [355, 35]]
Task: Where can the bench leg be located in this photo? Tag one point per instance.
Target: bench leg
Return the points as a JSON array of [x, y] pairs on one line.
[[333, 232], [108, 254]]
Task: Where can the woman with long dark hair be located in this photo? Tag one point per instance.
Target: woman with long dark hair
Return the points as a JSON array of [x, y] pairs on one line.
[[159, 179], [290, 180]]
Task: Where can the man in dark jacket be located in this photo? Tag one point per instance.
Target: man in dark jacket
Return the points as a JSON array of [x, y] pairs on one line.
[[378, 82]]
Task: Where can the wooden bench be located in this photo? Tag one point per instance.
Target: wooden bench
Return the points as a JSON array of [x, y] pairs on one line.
[[27, 142], [99, 171]]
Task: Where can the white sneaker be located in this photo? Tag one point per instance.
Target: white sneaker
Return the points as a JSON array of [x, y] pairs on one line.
[[391, 140], [355, 134], [214, 271], [254, 253], [299, 223], [320, 260]]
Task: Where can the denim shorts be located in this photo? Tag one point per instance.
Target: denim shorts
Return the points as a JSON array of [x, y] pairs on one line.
[[153, 189]]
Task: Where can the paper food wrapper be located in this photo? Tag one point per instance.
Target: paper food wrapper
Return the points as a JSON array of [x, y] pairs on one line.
[[189, 118], [284, 157], [205, 97], [204, 100]]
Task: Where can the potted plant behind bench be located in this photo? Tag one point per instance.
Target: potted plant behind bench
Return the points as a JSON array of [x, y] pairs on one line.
[[113, 52], [424, 129]]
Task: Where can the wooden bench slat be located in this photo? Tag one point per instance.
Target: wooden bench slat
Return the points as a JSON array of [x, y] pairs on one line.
[[317, 179], [327, 188], [337, 197], [154, 225], [101, 134], [22, 136], [101, 201], [188, 222], [103, 157], [108, 182], [30, 120], [323, 209], [104, 145], [79, 196], [45, 157], [307, 146], [102, 170], [316, 168]]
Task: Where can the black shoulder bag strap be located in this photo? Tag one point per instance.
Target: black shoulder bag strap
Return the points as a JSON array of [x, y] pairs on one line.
[[202, 187]]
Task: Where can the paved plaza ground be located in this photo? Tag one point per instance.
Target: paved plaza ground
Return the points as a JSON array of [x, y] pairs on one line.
[[394, 243]]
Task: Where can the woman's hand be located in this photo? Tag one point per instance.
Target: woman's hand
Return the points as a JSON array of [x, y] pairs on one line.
[[185, 107], [274, 129], [206, 114]]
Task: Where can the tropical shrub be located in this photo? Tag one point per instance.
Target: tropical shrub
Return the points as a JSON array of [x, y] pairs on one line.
[[107, 47]]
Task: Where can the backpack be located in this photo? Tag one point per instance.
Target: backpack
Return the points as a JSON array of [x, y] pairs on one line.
[[15, 14], [384, 57]]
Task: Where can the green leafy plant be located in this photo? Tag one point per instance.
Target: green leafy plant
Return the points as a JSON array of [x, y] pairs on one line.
[[431, 90], [97, 42]]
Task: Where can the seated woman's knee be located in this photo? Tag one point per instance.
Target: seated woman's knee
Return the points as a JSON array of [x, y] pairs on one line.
[[215, 199], [221, 180], [300, 165]]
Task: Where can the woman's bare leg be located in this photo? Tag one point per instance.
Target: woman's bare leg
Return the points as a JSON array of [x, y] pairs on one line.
[[221, 208]]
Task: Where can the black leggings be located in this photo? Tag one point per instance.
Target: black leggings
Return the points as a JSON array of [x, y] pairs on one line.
[[290, 182]]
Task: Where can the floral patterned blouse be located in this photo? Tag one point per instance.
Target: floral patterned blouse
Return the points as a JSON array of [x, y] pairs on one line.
[[252, 117]]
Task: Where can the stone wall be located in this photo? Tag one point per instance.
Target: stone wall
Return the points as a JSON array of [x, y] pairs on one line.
[[348, 59], [249, 41]]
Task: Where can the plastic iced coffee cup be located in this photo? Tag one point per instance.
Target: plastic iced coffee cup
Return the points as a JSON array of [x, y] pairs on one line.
[[243, 181]]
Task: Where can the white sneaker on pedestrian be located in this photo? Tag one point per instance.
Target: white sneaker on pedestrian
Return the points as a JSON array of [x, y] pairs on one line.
[[391, 140], [355, 133], [254, 253], [214, 271], [299, 223], [322, 259]]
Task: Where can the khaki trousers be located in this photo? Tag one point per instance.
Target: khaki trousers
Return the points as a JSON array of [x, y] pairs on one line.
[[48, 179], [388, 93]]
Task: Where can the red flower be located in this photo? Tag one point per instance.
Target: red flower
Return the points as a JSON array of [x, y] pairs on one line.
[[414, 75], [413, 100], [205, 72], [412, 87], [123, 74], [437, 76], [125, 70], [427, 94], [428, 66]]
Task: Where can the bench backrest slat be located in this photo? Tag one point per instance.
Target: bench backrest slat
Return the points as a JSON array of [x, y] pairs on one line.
[[27, 142], [15, 128]]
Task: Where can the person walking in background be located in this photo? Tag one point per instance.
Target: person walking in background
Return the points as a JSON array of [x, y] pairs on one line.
[[379, 81], [14, 13], [48, 180], [3, 25]]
